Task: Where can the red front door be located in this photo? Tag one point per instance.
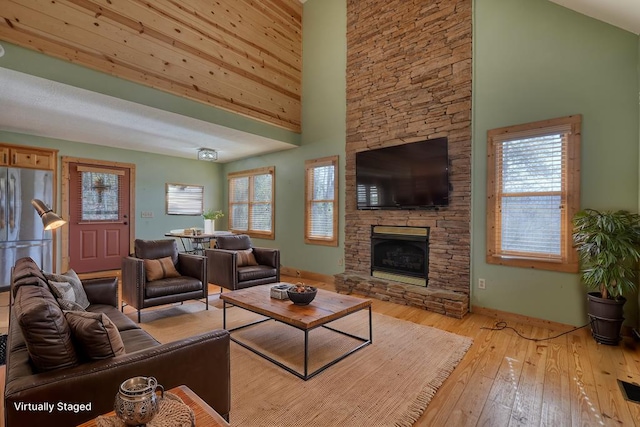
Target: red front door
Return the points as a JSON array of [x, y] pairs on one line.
[[99, 225]]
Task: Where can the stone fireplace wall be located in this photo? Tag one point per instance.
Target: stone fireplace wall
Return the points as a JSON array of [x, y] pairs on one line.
[[409, 79]]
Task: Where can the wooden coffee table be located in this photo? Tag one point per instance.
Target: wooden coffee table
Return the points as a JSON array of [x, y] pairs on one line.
[[326, 307]]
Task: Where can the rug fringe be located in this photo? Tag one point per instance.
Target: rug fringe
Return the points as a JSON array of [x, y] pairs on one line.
[[419, 405]]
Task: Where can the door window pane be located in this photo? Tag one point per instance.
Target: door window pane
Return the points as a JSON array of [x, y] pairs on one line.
[[100, 196]]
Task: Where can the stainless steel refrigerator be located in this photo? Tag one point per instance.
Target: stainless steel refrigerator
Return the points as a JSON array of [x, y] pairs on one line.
[[21, 230]]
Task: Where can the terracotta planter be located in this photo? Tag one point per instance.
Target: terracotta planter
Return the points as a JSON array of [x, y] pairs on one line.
[[606, 316]]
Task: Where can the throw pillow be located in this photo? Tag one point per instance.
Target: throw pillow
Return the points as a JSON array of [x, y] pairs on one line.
[[246, 258], [45, 330], [160, 268], [74, 292], [95, 335], [66, 297]]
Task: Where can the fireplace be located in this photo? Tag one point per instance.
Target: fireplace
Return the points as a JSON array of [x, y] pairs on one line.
[[400, 254]]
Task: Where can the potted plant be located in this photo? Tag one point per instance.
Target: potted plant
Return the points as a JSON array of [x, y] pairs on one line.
[[209, 217], [607, 243]]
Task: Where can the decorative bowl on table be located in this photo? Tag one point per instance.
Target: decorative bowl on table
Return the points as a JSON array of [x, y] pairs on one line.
[[301, 294]]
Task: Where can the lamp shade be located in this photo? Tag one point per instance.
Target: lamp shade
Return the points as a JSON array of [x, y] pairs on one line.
[[50, 219]]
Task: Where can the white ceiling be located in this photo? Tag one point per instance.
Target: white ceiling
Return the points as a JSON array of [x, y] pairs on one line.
[[42, 107], [621, 13], [38, 106]]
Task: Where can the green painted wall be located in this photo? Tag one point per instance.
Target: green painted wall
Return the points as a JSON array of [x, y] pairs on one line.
[[535, 60], [323, 134], [152, 172]]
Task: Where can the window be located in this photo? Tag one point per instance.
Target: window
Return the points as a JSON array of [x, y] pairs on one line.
[[321, 201], [184, 199], [251, 202], [533, 192], [101, 193]]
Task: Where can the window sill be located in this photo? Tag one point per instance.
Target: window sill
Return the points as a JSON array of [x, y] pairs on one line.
[[534, 263]]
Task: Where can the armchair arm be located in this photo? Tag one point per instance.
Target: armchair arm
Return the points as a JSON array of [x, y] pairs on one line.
[[267, 256], [133, 281], [193, 266], [172, 364], [102, 291], [222, 267]]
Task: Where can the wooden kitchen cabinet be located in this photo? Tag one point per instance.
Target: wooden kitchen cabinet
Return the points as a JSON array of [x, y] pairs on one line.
[[27, 157], [4, 156]]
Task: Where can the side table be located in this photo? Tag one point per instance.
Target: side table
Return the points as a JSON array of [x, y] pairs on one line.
[[206, 416]]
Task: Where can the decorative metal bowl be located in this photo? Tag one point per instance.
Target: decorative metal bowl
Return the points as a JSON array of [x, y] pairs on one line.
[[303, 297], [136, 402]]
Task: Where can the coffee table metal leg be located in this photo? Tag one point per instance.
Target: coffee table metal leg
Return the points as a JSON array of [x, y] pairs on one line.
[[370, 327], [224, 315], [306, 353], [305, 375]]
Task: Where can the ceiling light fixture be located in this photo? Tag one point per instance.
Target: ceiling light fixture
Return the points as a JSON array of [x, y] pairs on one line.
[[207, 154]]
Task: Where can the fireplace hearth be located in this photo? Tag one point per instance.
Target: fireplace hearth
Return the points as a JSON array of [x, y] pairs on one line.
[[400, 254]]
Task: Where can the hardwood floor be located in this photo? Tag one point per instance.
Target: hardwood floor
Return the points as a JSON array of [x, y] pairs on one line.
[[505, 380]]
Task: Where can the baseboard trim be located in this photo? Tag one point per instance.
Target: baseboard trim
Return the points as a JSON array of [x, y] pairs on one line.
[[310, 275], [520, 318], [100, 274], [626, 331]]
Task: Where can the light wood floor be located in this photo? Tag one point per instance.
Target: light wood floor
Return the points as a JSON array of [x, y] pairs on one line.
[[505, 380]]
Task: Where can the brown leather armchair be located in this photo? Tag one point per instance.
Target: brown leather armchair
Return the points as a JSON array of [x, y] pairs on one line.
[[189, 280], [235, 264]]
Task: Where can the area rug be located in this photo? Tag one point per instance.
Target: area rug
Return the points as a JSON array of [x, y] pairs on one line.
[[388, 383]]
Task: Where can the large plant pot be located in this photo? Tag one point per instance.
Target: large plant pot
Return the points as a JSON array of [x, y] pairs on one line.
[[209, 226], [606, 316]]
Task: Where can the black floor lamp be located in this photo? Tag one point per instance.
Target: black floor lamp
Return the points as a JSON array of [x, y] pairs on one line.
[[50, 221]]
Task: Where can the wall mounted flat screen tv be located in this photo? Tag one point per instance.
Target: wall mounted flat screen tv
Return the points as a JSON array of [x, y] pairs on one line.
[[408, 176]]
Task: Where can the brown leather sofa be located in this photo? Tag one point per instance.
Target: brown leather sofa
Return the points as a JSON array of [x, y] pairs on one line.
[[201, 362], [236, 264], [139, 291]]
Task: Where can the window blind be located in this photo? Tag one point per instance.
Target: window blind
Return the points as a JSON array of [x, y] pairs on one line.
[[251, 201], [531, 192], [185, 199], [321, 182], [321, 201]]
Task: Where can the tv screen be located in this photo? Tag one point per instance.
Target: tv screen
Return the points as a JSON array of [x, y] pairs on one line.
[[408, 176]]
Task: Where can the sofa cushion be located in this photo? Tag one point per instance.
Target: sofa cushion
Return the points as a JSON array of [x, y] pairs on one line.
[[255, 272], [65, 295], [96, 336], [45, 330], [27, 272], [154, 249], [160, 268], [234, 243], [118, 318], [172, 286], [73, 292], [137, 339], [246, 257]]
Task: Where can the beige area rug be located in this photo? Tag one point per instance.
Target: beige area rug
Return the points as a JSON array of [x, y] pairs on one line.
[[388, 383]]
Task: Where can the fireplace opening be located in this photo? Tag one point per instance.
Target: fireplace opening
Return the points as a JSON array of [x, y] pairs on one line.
[[400, 254]]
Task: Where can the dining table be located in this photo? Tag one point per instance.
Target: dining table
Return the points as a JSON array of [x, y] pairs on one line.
[[196, 243]]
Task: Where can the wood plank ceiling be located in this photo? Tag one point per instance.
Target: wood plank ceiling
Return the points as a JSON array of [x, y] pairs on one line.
[[244, 56]]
